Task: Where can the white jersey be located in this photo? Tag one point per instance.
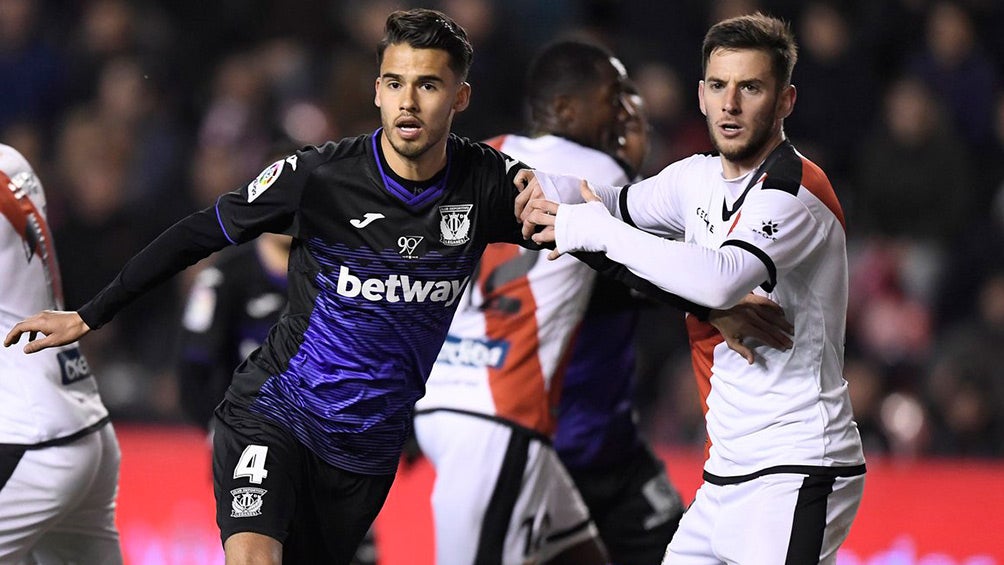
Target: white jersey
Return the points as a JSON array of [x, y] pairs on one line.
[[509, 339], [51, 394], [779, 229]]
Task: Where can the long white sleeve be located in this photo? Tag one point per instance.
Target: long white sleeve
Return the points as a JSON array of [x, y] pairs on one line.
[[716, 278], [567, 189]]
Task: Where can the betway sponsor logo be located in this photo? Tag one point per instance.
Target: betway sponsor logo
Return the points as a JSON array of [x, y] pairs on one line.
[[473, 352], [399, 288]]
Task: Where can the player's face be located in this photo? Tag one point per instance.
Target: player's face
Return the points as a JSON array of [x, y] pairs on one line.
[[599, 116], [418, 94], [744, 106]]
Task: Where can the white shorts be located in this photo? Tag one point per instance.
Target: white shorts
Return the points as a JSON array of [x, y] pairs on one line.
[[501, 494], [58, 504], [770, 520]]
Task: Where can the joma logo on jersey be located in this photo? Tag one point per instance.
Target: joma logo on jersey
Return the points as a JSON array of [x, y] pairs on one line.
[[473, 352], [455, 224], [399, 288], [73, 365]]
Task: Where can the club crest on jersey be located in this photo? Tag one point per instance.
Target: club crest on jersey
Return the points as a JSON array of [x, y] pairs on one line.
[[455, 224], [246, 502], [264, 180], [408, 244]]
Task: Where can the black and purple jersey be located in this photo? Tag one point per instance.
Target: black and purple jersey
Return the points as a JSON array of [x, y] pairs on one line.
[[376, 270]]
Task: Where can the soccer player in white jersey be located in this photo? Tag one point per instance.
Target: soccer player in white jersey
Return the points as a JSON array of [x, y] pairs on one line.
[[59, 459], [785, 472], [501, 494]]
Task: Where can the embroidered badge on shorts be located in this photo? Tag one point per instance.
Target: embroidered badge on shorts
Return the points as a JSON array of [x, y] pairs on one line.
[[246, 502]]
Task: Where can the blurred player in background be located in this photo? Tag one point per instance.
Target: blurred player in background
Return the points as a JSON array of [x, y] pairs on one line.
[[59, 458], [623, 483]]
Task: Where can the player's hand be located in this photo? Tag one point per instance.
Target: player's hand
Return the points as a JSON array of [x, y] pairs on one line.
[[542, 215], [755, 317], [538, 225], [59, 328], [529, 188]]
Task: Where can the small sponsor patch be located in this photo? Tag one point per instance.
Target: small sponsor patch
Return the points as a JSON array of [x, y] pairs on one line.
[[455, 224], [246, 502], [473, 352], [264, 180], [73, 365], [768, 230], [408, 245]]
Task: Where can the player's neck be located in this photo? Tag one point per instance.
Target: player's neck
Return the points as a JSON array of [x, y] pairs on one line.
[[735, 169], [419, 168]]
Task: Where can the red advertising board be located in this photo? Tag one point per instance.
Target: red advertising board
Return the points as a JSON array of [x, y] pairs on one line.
[[918, 512]]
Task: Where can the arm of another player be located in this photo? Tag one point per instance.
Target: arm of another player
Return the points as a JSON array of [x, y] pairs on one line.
[[59, 328], [755, 317], [716, 278]]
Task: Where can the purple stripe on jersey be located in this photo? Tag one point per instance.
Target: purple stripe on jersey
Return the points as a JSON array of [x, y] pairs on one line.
[[402, 193], [349, 391], [219, 219]]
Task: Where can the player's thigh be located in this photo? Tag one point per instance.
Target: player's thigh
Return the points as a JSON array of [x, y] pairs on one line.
[[330, 524], [550, 516], [256, 472], [468, 453], [692, 544], [641, 509], [41, 486], [86, 532], [787, 518], [841, 509]]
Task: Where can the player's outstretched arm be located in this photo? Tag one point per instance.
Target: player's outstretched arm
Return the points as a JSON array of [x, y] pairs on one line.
[[59, 328], [755, 317]]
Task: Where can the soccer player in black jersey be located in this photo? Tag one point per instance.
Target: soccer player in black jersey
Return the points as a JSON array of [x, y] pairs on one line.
[[387, 228]]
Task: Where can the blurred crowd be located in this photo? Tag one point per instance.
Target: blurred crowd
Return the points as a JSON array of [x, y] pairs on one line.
[[137, 112]]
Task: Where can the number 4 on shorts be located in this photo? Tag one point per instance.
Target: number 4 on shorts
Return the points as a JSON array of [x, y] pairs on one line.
[[252, 464]]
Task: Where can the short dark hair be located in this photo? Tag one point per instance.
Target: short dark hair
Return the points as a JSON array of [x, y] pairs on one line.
[[429, 29], [757, 31], [561, 68]]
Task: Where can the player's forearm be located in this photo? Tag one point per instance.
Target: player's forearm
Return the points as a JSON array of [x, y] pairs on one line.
[[180, 246], [715, 278], [566, 189]]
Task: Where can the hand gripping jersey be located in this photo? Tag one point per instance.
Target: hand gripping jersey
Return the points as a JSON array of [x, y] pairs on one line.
[[50, 396], [509, 340], [375, 274], [789, 410]]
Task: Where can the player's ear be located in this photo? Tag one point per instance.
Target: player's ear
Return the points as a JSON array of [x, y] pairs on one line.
[[700, 97], [563, 107], [376, 94], [786, 102], [463, 97]]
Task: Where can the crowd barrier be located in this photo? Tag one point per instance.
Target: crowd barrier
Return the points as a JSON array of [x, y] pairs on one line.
[[915, 512]]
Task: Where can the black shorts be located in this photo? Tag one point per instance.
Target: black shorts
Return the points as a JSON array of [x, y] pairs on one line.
[[267, 482], [635, 507]]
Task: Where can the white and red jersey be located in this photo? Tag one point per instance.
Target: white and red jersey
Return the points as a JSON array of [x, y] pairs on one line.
[[510, 336], [51, 394], [778, 231]]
